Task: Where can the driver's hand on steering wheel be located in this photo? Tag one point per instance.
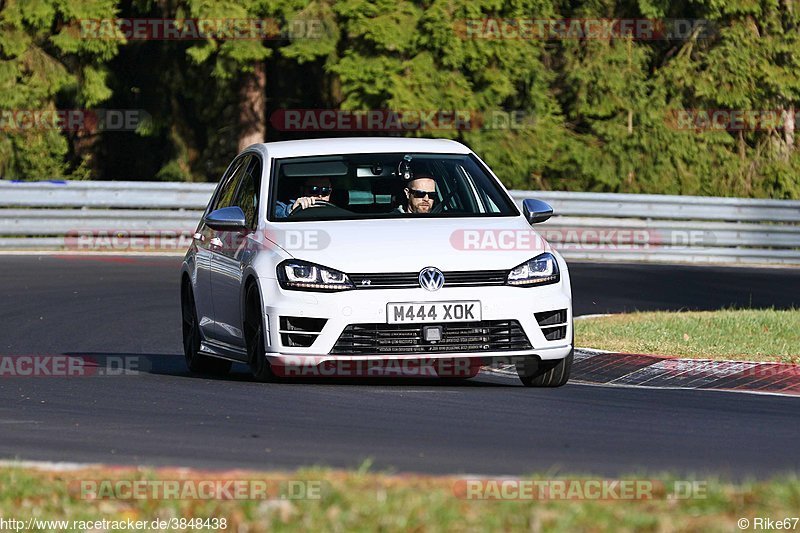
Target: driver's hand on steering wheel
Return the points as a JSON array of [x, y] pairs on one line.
[[304, 202]]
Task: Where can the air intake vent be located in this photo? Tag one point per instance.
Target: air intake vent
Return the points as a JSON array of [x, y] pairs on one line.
[[299, 331], [553, 324], [552, 318], [555, 334]]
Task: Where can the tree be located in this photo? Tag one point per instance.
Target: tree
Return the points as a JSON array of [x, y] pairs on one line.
[[46, 65]]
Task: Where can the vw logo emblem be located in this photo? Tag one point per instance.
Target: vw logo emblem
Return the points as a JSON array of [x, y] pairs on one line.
[[431, 278]]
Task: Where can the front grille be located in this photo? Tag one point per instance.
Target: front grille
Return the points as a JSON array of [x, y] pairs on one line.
[[480, 336], [408, 280]]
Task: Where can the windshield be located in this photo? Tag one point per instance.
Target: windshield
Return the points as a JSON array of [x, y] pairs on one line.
[[403, 185]]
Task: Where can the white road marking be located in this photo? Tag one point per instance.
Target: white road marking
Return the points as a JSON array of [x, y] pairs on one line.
[[739, 391], [416, 391], [49, 466]]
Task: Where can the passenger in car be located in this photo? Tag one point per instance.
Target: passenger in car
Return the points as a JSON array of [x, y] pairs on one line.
[[420, 193], [313, 190]]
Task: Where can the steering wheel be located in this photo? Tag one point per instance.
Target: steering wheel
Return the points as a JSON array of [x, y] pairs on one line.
[[318, 204], [438, 208]]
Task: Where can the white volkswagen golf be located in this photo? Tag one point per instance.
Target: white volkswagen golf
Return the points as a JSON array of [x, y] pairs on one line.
[[368, 250]]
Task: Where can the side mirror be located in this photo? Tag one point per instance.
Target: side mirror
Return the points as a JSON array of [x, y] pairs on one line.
[[226, 219], [536, 210]]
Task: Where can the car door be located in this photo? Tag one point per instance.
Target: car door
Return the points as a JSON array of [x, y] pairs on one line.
[[229, 260], [208, 243]]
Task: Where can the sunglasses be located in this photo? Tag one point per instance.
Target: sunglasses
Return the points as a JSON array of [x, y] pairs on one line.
[[416, 193], [317, 190]]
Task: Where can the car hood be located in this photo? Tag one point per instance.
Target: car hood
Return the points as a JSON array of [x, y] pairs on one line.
[[409, 245]]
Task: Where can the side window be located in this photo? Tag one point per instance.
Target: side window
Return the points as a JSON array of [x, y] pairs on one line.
[[247, 197], [231, 183]]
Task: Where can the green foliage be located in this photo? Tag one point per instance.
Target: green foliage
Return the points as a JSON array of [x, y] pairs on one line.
[[727, 334], [38, 155], [42, 58], [314, 33], [592, 114]]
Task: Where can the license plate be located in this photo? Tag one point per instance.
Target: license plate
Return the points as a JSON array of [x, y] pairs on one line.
[[418, 312]]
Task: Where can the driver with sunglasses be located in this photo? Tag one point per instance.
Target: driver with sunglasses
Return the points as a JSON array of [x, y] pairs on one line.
[[314, 190], [420, 195]]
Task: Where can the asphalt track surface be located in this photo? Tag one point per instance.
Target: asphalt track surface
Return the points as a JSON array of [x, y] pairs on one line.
[[127, 307]]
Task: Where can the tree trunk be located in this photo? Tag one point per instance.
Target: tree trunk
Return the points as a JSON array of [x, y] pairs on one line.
[[630, 72], [252, 107], [788, 130]]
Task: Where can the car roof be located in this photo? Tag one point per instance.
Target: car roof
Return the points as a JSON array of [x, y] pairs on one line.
[[358, 145]]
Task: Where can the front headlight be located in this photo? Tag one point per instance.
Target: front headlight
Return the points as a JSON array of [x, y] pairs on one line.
[[304, 276], [541, 270]]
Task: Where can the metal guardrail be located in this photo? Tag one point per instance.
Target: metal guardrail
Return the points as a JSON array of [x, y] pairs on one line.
[[120, 215], [592, 226], [686, 229], [105, 194]]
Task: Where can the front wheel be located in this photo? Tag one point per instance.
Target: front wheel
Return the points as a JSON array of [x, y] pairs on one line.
[[254, 336], [195, 361], [535, 373]]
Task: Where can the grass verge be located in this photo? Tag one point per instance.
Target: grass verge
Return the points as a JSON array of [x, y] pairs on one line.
[[364, 501], [747, 334]]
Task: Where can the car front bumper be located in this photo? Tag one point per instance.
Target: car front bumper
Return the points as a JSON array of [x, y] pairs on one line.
[[369, 306]]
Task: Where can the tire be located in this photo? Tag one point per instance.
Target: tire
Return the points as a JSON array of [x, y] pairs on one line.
[[196, 362], [254, 336], [535, 373]]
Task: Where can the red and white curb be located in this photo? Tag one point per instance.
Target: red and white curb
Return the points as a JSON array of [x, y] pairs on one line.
[[640, 370], [598, 367]]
